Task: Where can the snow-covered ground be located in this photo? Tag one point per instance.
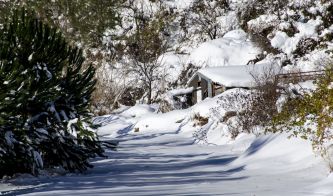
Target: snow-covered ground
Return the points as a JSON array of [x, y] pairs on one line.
[[233, 49], [157, 155]]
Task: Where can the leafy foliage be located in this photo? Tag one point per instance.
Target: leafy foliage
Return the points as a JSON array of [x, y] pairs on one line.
[[44, 99], [87, 19], [80, 20], [309, 116]]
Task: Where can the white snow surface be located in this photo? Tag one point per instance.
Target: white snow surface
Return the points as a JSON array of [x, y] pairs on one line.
[[233, 49], [172, 65], [236, 75], [179, 4], [138, 110], [181, 91], [163, 158], [289, 44]]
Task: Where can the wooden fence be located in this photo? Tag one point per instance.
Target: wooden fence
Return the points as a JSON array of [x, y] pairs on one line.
[[298, 76]]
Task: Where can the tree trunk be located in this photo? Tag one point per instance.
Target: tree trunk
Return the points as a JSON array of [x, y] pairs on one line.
[[149, 92]]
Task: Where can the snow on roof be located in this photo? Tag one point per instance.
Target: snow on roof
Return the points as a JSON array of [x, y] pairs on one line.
[[182, 91], [232, 76]]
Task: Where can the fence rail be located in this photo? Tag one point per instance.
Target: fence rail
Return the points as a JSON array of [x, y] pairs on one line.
[[299, 76]]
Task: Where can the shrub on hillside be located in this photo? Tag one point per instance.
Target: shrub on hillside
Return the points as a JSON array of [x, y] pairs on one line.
[[309, 116], [261, 101], [44, 98], [205, 18]]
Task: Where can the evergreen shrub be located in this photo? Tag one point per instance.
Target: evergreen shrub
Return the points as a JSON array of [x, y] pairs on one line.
[[44, 99]]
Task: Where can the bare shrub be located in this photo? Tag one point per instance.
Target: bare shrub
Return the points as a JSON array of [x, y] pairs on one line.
[[257, 107], [261, 41], [200, 120], [327, 154], [251, 10], [205, 17], [102, 99], [144, 49], [230, 106], [261, 105], [165, 106], [228, 115], [234, 127], [131, 66], [305, 46], [111, 90], [270, 84], [254, 8], [187, 72], [202, 125]]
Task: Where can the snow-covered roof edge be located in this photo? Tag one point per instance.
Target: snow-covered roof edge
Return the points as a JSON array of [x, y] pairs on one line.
[[235, 75]]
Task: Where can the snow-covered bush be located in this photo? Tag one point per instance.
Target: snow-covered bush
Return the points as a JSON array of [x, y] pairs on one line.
[[293, 28], [309, 116], [250, 10], [234, 105], [260, 106], [204, 18], [218, 117], [44, 99]]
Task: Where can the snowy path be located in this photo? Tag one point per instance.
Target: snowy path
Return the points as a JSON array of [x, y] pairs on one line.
[[148, 165], [170, 163]]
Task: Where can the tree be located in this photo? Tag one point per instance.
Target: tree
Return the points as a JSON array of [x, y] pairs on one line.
[[84, 21], [144, 49], [44, 99], [205, 16], [87, 19]]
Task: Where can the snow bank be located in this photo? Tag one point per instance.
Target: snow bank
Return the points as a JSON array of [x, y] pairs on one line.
[[289, 44], [159, 148], [172, 65], [294, 150], [236, 35], [181, 91], [183, 4], [112, 125], [161, 123], [263, 22], [314, 61], [205, 107], [233, 49], [138, 110], [324, 187]]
